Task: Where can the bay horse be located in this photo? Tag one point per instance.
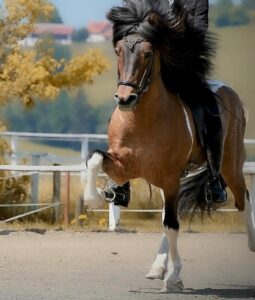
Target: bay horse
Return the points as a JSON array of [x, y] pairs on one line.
[[152, 133]]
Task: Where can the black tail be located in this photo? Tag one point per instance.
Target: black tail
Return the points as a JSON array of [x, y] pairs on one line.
[[192, 195]]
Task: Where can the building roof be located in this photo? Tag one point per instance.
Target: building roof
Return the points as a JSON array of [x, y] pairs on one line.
[[102, 27], [52, 28]]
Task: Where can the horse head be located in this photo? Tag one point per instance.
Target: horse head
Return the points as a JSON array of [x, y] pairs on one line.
[[149, 40], [137, 62]]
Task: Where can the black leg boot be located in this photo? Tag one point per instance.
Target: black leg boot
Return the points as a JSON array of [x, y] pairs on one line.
[[120, 195], [215, 189]]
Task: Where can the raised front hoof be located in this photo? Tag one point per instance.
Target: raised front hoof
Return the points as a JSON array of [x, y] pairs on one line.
[[94, 201], [156, 274], [170, 287]]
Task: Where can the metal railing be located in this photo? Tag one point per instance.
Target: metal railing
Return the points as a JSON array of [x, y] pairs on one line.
[[114, 212]]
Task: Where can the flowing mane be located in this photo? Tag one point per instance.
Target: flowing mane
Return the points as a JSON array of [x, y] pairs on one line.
[[152, 133], [186, 53]]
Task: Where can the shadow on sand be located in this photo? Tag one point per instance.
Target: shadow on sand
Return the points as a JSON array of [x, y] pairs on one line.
[[226, 292]]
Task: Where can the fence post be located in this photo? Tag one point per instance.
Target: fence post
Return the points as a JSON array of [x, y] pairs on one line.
[[84, 153], [78, 210], [56, 194], [35, 181], [67, 200], [114, 216], [14, 148], [253, 196]]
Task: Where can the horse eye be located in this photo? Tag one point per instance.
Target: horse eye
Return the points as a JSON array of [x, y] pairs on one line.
[[147, 54], [117, 51]]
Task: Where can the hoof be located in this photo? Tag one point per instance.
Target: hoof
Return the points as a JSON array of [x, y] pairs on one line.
[[156, 274], [172, 287], [251, 245], [95, 201]]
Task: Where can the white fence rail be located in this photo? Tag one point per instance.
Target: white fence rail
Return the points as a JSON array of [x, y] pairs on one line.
[[114, 212]]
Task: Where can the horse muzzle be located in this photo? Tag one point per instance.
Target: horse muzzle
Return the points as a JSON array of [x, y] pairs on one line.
[[126, 103]]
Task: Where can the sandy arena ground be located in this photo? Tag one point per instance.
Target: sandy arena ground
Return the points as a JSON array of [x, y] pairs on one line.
[[67, 265]]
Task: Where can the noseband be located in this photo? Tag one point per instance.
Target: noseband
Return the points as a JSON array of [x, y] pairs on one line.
[[143, 85]]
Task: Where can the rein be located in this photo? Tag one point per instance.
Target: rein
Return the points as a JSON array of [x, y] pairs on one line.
[[143, 85]]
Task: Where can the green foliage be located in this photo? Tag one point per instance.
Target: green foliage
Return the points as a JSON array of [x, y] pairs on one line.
[[60, 116], [225, 13], [69, 113], [54, 18], [249, 4], [13, 189], [80, 35]]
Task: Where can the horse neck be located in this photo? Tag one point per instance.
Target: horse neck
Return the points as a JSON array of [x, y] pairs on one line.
[[157, 101]]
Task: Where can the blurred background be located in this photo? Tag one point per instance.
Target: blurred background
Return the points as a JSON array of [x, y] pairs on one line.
[[84, 26]]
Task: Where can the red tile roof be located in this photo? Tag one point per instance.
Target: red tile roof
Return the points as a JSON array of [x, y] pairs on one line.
[[57, 29], [102, 27]]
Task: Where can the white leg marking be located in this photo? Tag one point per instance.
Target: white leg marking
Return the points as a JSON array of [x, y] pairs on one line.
[[250, 224], [94, 197], [159, 266], [172, 278], [188, 126]]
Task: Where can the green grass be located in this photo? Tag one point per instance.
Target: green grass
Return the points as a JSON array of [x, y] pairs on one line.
[[29, 146], [104, 86], [235, 65]]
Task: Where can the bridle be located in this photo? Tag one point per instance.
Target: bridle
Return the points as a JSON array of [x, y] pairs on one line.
[[143, 85]]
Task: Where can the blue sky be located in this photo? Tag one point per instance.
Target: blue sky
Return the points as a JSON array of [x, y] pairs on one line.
[[79, 12]]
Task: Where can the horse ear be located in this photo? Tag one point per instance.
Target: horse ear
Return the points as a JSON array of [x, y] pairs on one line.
[[153, 19]]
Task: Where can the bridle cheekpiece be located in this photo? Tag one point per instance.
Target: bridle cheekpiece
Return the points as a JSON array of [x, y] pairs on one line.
[[143, 85]]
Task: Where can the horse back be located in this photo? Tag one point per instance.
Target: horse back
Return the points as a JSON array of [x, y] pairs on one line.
[[232, 111]]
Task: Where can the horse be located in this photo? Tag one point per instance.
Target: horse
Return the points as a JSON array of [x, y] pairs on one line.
[[152, 133]]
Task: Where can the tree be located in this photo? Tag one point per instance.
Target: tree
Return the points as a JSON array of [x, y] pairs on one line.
[[31, 74], [250, 4], [228, 14], [53, 18], [27, 75], [80, 35]]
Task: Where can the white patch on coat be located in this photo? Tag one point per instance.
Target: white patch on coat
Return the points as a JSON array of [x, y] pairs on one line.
[[93, 196], [172, 277], [159, 266], [188, 123], [250, 224]]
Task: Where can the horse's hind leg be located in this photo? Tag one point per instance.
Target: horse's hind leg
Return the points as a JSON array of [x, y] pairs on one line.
[[94, 197], [235, 180], [238, 188], [232, 171], [249, 216]]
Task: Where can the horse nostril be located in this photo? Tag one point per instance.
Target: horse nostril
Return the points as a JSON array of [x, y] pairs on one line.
[[116, 98], [132, 98]]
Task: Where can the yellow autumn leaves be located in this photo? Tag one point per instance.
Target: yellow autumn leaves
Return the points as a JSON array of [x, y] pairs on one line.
[[28, 74]]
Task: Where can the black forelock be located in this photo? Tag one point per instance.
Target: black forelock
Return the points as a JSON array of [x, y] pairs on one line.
[[186, 52], [131, 17]]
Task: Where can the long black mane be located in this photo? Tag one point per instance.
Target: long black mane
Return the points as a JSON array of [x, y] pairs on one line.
[[186, 52]]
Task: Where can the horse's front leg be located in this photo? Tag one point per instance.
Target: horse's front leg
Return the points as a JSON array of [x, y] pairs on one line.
[[172, 278], [167, 263], [159, 266], [93, 196], [114, 168]]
